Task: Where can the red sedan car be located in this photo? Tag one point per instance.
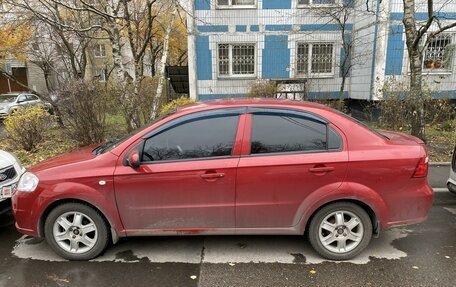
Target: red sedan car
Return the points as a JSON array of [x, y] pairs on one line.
[[231, 167]]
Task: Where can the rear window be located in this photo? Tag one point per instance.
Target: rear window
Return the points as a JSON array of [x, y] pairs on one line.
[[281, 133]]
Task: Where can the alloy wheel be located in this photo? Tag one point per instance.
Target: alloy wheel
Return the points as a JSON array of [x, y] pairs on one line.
[[75, 232], [341, 231]]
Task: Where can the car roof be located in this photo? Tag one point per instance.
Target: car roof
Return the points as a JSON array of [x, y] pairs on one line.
[[16, 94], [224, 103]]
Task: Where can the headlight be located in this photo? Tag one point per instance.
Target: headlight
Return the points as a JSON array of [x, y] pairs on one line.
[[28, 182]]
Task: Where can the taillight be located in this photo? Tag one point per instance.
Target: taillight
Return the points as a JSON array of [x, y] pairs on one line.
[[422, 167]]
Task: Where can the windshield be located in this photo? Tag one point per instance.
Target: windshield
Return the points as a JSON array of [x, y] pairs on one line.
[[113, 143], [7, 98]]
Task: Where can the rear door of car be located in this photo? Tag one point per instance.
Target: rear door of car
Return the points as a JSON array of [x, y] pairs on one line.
[[287, 156]]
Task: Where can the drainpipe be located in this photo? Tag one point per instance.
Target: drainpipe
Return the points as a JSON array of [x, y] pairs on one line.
[[192, 81], [379, 48]]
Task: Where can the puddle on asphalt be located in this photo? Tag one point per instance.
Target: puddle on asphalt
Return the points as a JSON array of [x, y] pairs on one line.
[[217, 249]]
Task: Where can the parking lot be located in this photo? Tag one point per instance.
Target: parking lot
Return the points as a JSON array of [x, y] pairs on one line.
[[419, 255]]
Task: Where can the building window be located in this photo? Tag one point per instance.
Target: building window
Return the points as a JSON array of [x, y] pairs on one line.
[[100, 50], [236, 3], [236, 60], [315, 60], [100, 75], [439, 53], [317, 2]]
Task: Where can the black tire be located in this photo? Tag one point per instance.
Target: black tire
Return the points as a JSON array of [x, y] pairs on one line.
[[314, 227], [451, 187], [101, 226]]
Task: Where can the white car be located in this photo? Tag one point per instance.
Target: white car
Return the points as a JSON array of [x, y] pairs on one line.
[[452, 180], [10, 172]]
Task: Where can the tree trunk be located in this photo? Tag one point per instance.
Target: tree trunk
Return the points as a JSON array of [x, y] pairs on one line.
[[416, 69], [161, 72]]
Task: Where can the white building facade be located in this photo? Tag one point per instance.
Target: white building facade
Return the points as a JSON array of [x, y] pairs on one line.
[[233, 44]]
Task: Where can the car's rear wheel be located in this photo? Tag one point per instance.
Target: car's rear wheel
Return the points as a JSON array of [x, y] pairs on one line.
[[76, 231], [340, 231]]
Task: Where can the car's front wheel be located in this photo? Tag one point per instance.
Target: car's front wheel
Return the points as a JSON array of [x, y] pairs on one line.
[[340, 231], [76, 231]]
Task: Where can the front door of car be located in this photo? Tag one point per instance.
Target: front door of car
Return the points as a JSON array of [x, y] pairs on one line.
[[292, 156], [187, 177]]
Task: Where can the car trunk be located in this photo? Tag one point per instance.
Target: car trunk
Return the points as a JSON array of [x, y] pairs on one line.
[[401, 138]]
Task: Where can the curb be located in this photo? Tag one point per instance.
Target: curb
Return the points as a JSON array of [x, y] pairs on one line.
[[446, 163]]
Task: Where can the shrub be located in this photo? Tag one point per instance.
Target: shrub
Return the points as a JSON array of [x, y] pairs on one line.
[[84, 106], [173, 105], [27, 126], [263, 89]]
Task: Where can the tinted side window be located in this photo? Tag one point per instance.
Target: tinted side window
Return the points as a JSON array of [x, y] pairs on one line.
[[22, 98], [334, 140], [32, 98], [200, 138], [274, 133]]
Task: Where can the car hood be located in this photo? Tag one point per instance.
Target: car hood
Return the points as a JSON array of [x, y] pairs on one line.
[[78, 155], [6, 159]]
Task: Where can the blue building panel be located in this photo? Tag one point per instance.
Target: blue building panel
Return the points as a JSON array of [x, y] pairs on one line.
[[345, 70], [395, 51], [276, 57], [276, 4], [324, 27], [254, 28], [212, 28], [202, 4], [278, 28], [241, 28], [423, 16], [203, 58]]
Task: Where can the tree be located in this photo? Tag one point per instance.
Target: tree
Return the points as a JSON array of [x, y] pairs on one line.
[[417, 42], [131, 27], [341, 15]]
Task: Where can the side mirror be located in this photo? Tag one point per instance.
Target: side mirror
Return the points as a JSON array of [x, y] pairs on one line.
[[133, 158]]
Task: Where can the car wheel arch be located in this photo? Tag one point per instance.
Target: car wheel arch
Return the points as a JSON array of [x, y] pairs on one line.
[[59, 202], [356, 193], [367, 208]]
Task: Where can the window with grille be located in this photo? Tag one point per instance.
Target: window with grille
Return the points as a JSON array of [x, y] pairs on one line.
[[100, 75], [439, 53], [316, 2], [235, 3], [100, 50], [315, 59], [236, 60]]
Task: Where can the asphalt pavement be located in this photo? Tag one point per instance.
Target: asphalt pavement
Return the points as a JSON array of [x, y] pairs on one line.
[[417, 255]]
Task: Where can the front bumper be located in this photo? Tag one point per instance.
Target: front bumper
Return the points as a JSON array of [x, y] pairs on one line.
[[23, 205]]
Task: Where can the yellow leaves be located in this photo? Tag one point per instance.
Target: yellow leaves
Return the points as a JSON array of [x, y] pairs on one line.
[[182, 101], [13, 40]]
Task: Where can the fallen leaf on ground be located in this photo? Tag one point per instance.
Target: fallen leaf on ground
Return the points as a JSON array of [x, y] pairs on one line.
[[312, 271], [193, 277], [231, 264], [416, 267], [447, 257]]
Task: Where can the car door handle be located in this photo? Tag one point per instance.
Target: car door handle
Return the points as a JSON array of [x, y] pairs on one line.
[[323, 169], [216, 175]]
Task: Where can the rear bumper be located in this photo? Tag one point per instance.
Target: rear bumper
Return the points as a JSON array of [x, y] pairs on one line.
[[410, 207]]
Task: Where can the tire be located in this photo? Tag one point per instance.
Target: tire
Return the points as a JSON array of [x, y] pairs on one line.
[[356, 238], [451, 187], [82, 231]]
